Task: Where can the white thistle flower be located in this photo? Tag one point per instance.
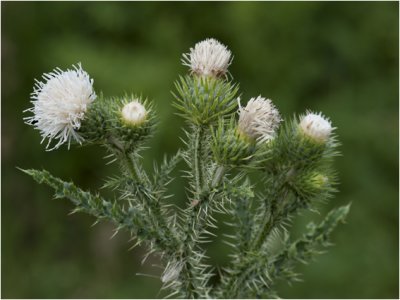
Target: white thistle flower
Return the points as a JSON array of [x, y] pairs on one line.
[[134, 113], [316, 126], [208, 58], [60, 103], [259, 120]]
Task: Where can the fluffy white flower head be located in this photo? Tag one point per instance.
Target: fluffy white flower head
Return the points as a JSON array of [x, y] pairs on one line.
[[259, 120], [316, 126], [60, 103], [134, 113], [208, 58]]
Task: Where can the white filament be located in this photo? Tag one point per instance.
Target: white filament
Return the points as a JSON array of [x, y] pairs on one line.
[[208, 58], [259, 120], [316, 126], [60, 103]]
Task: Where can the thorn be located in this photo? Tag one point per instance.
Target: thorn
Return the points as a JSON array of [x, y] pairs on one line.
[[115, 233], [147, 275], [95, 223]]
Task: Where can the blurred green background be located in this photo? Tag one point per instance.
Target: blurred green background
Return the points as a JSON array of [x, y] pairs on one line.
[[339, 58]]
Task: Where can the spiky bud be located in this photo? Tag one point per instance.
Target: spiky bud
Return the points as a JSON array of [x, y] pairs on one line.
[[228, 146], [132, 121], [95, 128], [310, 184], [203, 100]]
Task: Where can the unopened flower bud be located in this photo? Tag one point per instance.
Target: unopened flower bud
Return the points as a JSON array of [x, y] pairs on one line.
[[316, 127], [312, 184], [132, 122], [208, 58], [318, 181], [228, 146], [259, 120], [134, 113]]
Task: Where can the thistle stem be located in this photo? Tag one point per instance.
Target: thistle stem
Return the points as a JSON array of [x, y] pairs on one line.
[[271, 221], [219, 174], [199, 214], [198, 138], [264, 231], [133, 167]]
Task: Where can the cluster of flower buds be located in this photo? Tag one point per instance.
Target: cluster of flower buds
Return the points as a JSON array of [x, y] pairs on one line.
[[258, 121], [65, 108]]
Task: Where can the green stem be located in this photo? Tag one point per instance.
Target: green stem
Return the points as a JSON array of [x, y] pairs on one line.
[[228, 289], [154, 213], [133, 167], [198, 213], [219, 174], [273, 219], [198, 139], [264, 231]]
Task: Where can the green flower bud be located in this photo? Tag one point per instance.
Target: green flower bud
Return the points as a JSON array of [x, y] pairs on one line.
[[313, 183], [95, 126], [230, 147], [302, 143], [203, 100]]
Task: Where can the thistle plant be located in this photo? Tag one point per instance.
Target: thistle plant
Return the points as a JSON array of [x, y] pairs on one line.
[[224, 142]]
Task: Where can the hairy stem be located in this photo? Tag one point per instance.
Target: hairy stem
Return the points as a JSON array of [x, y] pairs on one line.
[[149, 198], [198, 176], [270, 222], [264, 231], [219, 174], [198, 218], [271, 219], [131, 163]]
